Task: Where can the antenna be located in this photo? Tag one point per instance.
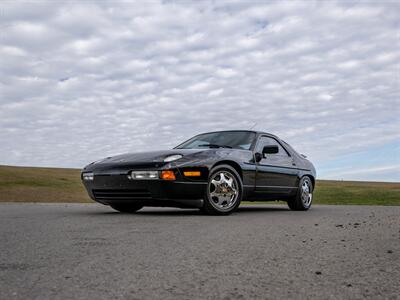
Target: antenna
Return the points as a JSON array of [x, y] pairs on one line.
[[254, 125]]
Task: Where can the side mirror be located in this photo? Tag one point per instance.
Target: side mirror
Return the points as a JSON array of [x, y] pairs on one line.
[[257, 157], [271, 149]]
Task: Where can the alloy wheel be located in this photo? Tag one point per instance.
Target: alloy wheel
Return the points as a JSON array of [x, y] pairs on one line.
[[223, 190], [306, 193]]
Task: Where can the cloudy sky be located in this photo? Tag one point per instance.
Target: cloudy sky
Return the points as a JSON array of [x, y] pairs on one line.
[[81, 80]]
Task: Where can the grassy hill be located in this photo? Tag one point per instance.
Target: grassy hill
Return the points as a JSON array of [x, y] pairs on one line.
[[23, 184]]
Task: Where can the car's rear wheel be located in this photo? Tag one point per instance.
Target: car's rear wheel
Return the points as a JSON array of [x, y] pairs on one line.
[[224, 191], [127, 208], [304, 196]]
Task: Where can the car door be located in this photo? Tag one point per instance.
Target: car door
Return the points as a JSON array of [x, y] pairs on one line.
[[276, 173]]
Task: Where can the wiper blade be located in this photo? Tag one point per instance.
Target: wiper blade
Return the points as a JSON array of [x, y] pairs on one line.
[[215, 146]]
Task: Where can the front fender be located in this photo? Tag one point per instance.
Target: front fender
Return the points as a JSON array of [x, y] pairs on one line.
[[241, 160]]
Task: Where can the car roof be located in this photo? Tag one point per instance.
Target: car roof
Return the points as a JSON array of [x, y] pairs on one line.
[[242, 130]]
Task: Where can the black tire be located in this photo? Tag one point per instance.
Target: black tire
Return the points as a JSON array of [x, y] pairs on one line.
[[298, 202], [203, 210], [235, 189], [127, 208]]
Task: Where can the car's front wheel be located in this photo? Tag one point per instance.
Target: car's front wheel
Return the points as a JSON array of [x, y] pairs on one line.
[[224, 191], [127, 208], [304, 196]]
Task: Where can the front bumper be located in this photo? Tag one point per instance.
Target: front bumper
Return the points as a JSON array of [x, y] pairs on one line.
[[109, 189]]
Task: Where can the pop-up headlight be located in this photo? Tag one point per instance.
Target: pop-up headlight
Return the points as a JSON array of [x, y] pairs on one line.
[[172, 157]]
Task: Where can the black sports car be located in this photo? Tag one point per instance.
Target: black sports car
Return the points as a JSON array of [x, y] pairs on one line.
[[212, 171]]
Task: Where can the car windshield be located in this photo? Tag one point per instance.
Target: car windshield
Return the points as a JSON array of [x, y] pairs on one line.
[[224, 139]]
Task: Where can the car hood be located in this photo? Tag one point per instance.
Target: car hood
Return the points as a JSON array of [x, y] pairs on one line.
[[155, 159], [153, 156], [146, 157]]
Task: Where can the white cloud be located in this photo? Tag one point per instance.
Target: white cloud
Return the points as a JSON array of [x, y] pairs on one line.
[[215, 93], [83, 80]]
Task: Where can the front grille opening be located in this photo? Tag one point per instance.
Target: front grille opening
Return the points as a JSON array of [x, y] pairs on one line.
[[121, 194]]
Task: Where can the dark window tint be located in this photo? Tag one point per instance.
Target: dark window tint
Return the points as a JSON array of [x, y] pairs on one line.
[[225, 139], [268, 141]]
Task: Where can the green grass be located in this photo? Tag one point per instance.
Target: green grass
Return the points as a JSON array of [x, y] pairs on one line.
[[357, 192], [24, 184]]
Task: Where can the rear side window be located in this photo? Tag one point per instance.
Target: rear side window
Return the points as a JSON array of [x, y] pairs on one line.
[[269, 141], [290, 148]]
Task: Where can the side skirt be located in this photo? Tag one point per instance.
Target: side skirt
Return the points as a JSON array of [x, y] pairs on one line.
[[270, 193]]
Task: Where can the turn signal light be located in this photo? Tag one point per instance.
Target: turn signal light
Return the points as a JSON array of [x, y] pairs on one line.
[[192, 173], [168, 175]]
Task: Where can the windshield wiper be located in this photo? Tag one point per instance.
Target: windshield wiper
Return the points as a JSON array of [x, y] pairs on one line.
[[215, 146]]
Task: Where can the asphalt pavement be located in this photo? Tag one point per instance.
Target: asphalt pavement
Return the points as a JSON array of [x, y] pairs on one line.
[[88, 251]]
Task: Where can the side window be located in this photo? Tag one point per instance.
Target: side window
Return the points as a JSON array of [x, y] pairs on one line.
[[268, 141]]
